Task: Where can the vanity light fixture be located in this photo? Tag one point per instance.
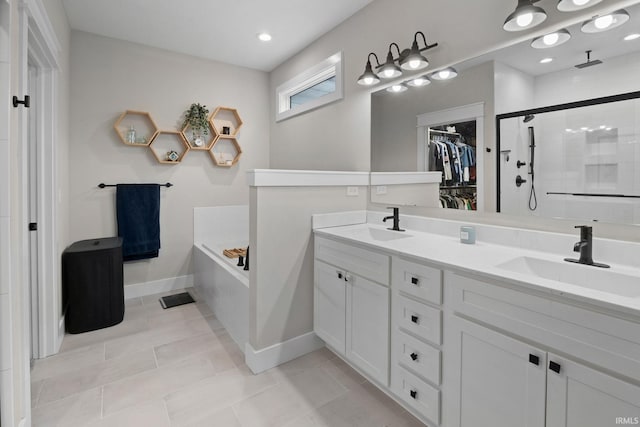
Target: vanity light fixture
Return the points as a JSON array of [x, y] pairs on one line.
[[419, 81], [631, 37], [444, 74], [598, 24], [551, 40], [546, 60], [407, 59], [412, 59], [369, 78], [397, 88], [525, 16], [573, 5], [389, 69]]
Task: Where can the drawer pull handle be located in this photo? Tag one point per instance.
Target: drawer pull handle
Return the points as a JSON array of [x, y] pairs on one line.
[[414, 319], [555, 367], [414, 356], [534, 359], [413, 394], [414, 280]]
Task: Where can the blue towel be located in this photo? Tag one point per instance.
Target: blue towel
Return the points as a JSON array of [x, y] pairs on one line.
[[138, 211]]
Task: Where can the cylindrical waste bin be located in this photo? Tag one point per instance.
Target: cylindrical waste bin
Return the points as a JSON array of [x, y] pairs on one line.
[[92, 284]]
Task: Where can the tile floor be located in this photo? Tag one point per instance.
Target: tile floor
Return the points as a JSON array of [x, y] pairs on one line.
[[179, 367]]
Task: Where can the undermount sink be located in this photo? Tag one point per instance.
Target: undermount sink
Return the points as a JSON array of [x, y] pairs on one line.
[[600, 279], [379, 234]]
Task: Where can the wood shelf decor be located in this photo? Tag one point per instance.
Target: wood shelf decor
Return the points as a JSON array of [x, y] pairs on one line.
[[136, 128], [226, 122], [206, 141], [225, 152], [169, 147]]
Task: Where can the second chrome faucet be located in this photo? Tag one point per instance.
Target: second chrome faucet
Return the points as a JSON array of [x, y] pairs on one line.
[[396, 219]]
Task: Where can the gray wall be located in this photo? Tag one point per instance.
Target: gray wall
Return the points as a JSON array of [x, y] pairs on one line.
[[111, 76]]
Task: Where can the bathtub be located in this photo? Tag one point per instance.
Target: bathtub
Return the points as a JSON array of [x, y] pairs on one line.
[[222, 285]]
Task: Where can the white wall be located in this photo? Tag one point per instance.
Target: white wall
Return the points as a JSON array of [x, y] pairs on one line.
[[281, 257], [111, 76]]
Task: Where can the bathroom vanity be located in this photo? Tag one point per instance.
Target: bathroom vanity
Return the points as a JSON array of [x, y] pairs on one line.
[[481, 335]]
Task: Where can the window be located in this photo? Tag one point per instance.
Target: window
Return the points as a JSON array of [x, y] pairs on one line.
[[315, 87]]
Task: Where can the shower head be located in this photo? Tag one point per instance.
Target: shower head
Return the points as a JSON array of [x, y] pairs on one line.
[[528, 118], [589, 62]]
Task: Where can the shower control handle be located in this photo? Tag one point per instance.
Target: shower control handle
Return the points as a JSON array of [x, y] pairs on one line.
[[520, 181], [519, 164]]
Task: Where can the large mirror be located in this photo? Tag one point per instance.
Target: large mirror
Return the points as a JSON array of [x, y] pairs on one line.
[[514, 80]]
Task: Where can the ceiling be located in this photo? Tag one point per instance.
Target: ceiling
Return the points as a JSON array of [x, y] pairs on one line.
[[220, 30], [603, 45]]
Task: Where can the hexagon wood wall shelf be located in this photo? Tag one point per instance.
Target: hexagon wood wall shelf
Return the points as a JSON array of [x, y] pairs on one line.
[[145, 128], [166, 141]]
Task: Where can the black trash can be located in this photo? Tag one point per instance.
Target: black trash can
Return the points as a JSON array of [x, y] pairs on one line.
[[92, 284]]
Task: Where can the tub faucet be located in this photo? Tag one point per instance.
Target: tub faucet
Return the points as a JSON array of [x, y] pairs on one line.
[[396, 219], [585, 247]]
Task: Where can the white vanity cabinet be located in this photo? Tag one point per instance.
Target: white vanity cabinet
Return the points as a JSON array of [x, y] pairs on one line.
[[500, 380], [351, 305], [416, 336]]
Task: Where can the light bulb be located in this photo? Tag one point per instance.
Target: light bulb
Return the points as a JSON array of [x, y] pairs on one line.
[[414, 63], [420, 81], [603, 22], [580, 2], [524, 20], [368, 80], [551, 39], [444, 74], [397, 88]]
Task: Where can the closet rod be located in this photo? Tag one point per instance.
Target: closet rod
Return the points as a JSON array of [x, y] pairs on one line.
[[445, 132], [103, 185]]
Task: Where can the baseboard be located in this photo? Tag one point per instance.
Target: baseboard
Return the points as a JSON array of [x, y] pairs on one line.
[[277, 354], [163, 285]]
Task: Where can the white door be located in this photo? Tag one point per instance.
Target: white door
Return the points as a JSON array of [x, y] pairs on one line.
[[32, 175], [329, 298], [502, 380], [578, 396], [368, 327]]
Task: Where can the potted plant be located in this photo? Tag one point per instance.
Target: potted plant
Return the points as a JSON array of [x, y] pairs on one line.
[[196, 118]]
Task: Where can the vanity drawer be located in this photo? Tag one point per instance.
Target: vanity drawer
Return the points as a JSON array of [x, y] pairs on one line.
[[416, 393], [417, 318], [368, 264], [415, 355], [418, 280]]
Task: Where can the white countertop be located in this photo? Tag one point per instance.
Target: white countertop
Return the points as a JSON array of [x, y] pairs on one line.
[[483, 261]]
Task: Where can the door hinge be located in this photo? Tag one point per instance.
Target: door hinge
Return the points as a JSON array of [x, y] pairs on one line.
[[33, 226], [26, 101]]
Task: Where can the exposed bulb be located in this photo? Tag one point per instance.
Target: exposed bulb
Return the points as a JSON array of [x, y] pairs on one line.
[[524, 20], [550, 39], [420, 81], [603, 22], [368, 81], [414, 64], [444, 74], [397, 88]]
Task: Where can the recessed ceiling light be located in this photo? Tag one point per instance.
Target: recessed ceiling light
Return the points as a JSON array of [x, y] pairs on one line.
[[546, 60], [632, 37], [265, 37]]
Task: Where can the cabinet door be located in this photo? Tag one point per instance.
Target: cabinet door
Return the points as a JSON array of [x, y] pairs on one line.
[[578, 396], [329, 298], [502, 380], [368, 327]]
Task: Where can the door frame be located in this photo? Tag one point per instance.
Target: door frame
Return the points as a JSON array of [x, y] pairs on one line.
[[39, 46]]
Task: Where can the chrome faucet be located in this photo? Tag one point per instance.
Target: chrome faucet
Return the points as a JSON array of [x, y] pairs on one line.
[[396, 219], [585, 247]]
